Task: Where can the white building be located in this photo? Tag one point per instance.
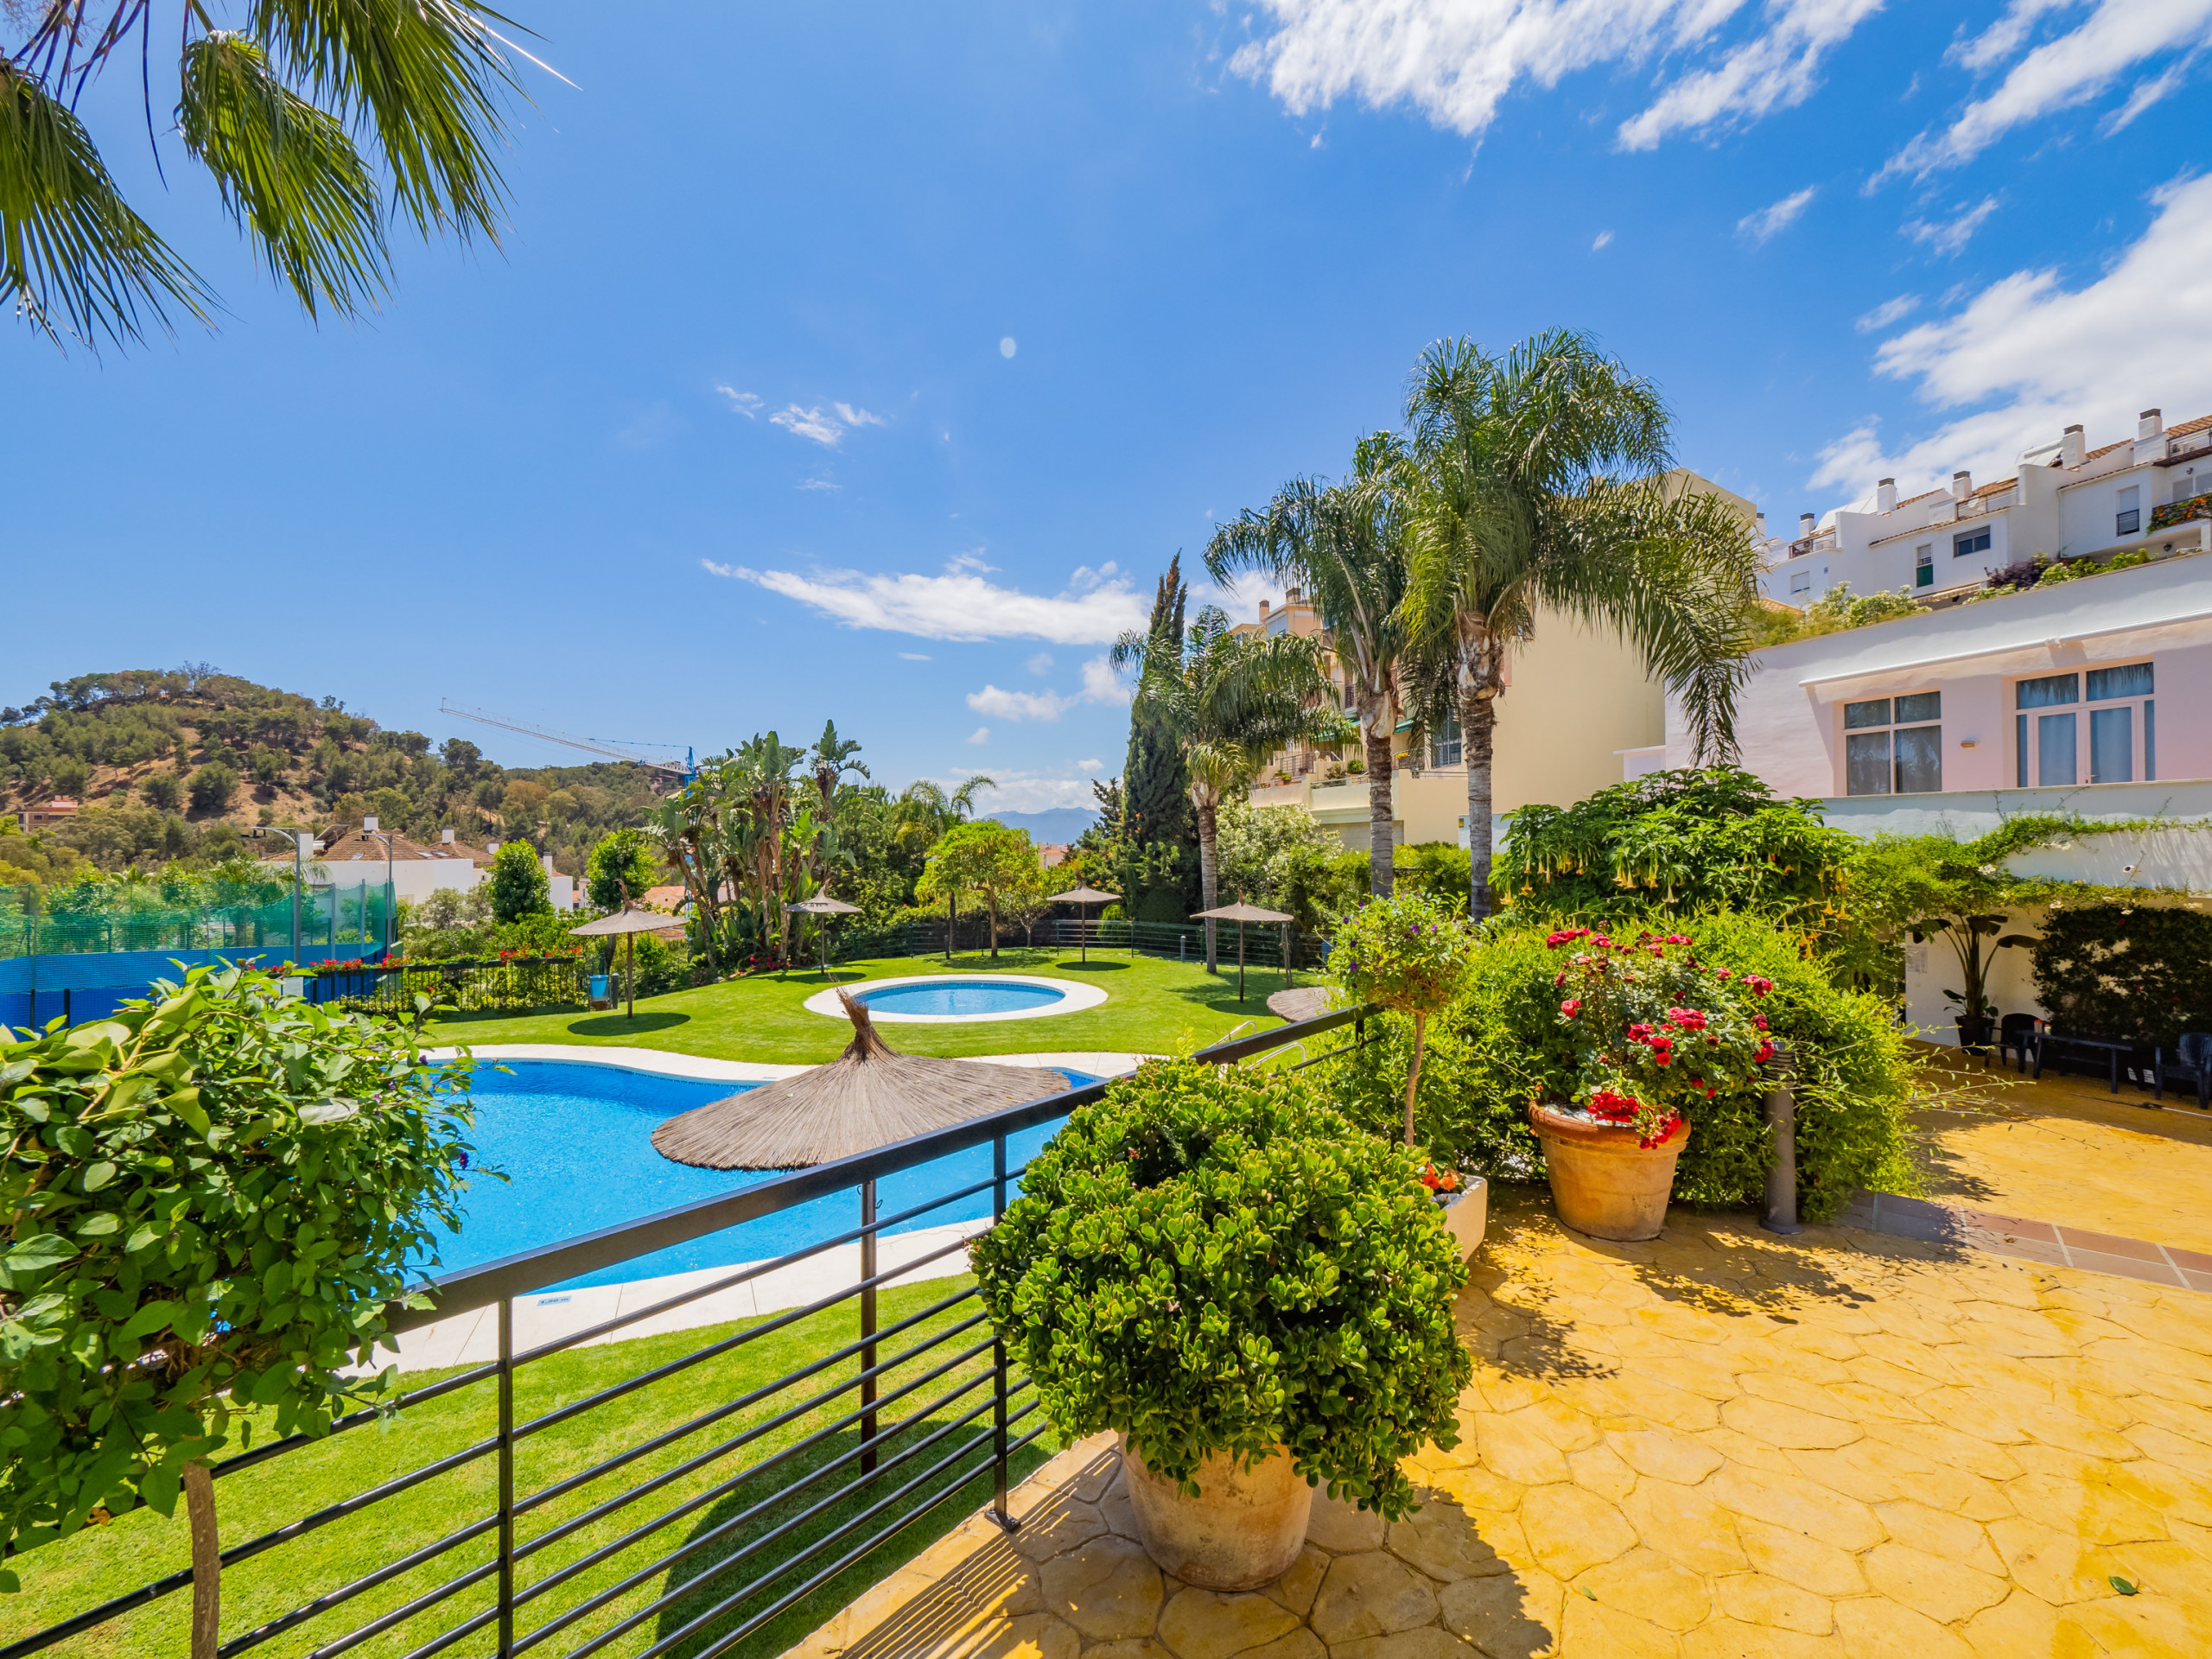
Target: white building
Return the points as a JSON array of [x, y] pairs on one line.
[[351, 857], [2153, 493]]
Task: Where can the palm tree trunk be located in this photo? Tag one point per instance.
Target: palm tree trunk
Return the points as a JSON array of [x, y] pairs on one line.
[[1208, 872], [1380, 848], [207, 1559], [1477, 727]]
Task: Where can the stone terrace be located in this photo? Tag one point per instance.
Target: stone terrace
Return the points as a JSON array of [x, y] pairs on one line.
[[1717, 1446]]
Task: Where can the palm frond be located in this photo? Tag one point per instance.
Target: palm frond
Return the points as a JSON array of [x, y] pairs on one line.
[[75, 259], [425, 75], [289, 174]]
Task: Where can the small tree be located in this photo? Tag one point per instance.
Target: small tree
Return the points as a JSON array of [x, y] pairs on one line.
[[211, 787], [985, 857], [622, 866], [1408, 953], [518, 885], [213, 1195], [162, 789]]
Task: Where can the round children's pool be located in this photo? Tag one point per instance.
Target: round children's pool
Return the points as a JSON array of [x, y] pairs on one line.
[[961, 998], [575, 1142]]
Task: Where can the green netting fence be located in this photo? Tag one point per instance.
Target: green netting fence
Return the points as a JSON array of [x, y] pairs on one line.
[[335, 921]]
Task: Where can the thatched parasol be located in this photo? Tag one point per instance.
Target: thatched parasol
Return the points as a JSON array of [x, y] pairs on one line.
[[868, 1097], [1240, 912], [629, 923], [823, 905], [1086, 895]]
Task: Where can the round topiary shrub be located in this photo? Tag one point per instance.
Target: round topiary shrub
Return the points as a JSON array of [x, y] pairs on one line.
[[1211, 1260]]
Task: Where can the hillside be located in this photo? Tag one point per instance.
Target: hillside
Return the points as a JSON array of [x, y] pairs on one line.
[[172, 764], [1054, 824]]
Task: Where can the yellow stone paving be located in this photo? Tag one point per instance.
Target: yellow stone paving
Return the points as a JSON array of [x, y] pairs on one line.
[[2066, 1150], [1717, 1446]]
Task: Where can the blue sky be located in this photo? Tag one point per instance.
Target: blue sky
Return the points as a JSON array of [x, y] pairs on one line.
[[870, 361]]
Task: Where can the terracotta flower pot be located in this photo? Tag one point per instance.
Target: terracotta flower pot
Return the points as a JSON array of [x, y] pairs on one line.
[[1243, 1529], [1602, 1183]]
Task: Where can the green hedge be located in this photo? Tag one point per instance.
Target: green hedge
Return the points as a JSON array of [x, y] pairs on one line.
[[2140, 973], [1502, 1043]]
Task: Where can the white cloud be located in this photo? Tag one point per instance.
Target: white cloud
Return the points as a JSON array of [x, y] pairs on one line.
[[1007, 347], [2147, 93], [1887, 312], [1777, 71], [2057, 75], [1017, 791], [981, 734], [1038, 664], [1771, 221], [857, 417], [1102, 683], [2005, 36], [1092, 766], [1948, 236], [818, 484], [1455, 61], [741, 403], [1604, 237], [810, 424], [959, 604], [2029, 356], [913, 656]]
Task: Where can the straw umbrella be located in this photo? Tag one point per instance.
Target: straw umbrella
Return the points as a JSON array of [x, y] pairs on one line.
[[823, 905], [1240, 912], [628, 923], [1085, 895]]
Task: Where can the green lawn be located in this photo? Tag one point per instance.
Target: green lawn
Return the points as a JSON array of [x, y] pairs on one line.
[[1152, 1006], [95, 1566]]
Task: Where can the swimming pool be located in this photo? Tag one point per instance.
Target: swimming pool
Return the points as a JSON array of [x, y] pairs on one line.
[[575, 1142], [961, 998]]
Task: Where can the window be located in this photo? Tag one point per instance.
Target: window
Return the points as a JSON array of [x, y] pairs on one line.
[[2121, 727], [1974, 541], [1444, 747], [1893, 746], [1800, 582], [1924, 566], [2127, 516]]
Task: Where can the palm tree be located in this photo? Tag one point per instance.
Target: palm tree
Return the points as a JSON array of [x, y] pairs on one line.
[[923, 811], [1228, 701], [1540, 487], [273, 114], [1345, 545]]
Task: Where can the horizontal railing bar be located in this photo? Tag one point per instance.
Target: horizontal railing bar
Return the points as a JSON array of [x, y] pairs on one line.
[[345, 1592], [562, 1488], [401, 1614], [530, 1270], [756, 1270], [353, 1420], [720, 1489], [721, 1530], [660, 1372], [668, 1597]]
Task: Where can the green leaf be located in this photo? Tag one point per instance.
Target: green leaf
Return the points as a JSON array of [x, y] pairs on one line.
[[41, 1250], [320, 1112], [184, 1103], [2123, 1586], [100, 1225], [158, 1486], [98, 1176]]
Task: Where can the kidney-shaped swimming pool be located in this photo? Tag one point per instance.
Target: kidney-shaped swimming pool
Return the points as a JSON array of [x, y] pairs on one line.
[[575, 1143]]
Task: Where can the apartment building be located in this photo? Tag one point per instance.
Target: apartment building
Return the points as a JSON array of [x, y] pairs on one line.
[[2153, 492]]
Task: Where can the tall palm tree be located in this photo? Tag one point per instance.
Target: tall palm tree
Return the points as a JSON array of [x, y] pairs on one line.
[[1228, 701], [1542, 488], [1346, 546], [273, 113], [923, 811]]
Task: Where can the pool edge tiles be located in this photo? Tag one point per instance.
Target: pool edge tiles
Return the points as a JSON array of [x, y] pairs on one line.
[[1074, 997]]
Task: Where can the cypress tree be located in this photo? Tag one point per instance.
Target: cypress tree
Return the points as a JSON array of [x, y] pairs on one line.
[[1155, 784]]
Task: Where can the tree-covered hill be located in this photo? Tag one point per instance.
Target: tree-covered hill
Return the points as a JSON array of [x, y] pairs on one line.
[[171, 765]]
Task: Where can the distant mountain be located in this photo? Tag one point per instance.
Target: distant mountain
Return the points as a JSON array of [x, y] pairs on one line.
[[1060, 823]]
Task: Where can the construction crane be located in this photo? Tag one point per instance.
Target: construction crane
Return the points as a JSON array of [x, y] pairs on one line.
[[683, 771]]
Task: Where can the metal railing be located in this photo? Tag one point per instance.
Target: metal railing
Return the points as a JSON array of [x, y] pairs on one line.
[[782, 1486]]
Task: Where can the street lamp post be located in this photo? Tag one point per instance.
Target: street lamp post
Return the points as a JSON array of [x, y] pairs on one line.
[[300, 840]]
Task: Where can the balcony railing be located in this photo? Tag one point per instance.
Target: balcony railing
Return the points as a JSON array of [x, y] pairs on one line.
[[501, 1531]]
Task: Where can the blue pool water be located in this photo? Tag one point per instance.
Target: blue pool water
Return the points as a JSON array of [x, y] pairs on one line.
[[575, 1143], [962, 997]]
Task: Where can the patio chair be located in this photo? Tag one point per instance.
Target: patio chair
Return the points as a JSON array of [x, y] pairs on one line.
[[2192, 1063], [2016, 1032]]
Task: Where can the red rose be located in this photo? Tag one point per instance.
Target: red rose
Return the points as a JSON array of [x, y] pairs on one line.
[[1572, 1006]]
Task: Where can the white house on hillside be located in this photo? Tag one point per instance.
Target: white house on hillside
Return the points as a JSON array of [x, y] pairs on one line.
[[2066, 501]]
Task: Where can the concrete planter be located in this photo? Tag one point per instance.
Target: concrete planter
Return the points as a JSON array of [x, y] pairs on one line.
[[1602, 1183], [1466, 1212], [1243, 1529]]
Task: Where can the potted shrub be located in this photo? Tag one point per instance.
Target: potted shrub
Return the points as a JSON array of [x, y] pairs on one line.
[[1254, 1294], [1656, 1034]]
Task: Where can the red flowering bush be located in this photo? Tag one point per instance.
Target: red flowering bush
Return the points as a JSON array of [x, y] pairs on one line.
[[1657, 1033]]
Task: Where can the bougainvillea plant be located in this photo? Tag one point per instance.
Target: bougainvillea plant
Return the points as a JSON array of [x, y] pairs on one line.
[[1214, 1260], [1657, 1032], [1408, 953]]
